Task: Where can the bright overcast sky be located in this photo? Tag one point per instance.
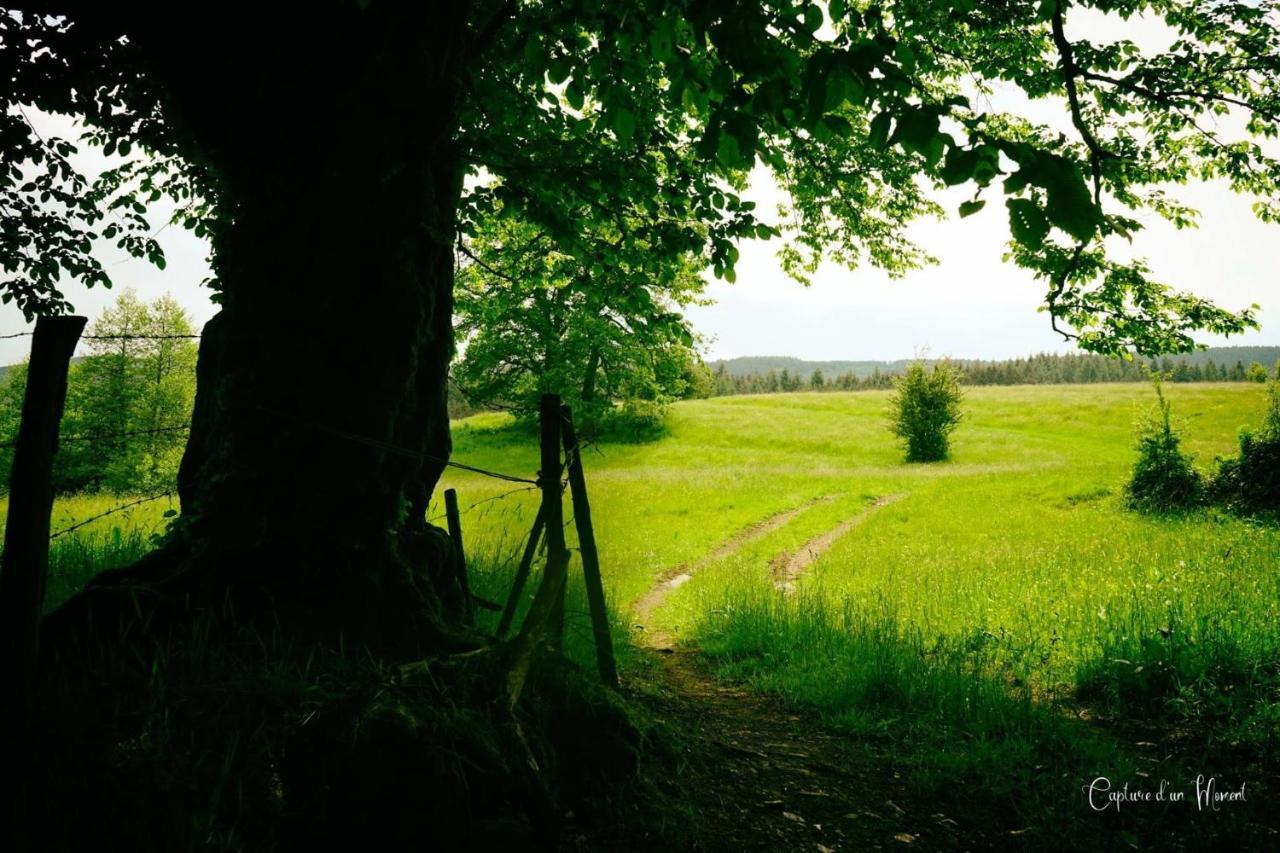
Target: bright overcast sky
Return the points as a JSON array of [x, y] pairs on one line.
[[970, 305]]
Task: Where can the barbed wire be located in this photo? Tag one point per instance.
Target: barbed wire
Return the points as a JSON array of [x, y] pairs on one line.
[[483, 501], [573, 454], [112, 337], [168, 493], [409, 452], [106, 436]]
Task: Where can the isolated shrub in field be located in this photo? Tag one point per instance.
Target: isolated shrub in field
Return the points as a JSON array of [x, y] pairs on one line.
[[1250, 482], [635, 421], [1164, 477], [925, 409]]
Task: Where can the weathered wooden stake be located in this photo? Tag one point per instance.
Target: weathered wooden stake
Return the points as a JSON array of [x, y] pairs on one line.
[[522, 576], [459, 553], [551, 589], [590, 555], [25, 565]]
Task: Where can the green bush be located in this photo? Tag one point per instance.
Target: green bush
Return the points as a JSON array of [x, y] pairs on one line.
[[1164, 477], [1250, 482], [635, 421], [925, 409]]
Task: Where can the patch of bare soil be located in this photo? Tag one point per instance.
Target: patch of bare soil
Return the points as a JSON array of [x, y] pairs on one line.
[[765, 778], [788, 567], [676, 577]]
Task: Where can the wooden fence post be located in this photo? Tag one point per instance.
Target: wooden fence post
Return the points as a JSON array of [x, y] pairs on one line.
[[459, 553], [551, 589], [522, 575], [25, 565], [590, 555]]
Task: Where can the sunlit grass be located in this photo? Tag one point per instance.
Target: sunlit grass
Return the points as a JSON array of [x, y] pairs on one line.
[[96, 544]]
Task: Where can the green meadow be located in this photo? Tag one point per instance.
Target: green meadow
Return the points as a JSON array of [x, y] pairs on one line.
[[1006, 624]]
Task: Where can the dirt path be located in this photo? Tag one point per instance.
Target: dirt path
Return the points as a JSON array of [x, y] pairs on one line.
[[673, 579], [765, 777], [788, 567]]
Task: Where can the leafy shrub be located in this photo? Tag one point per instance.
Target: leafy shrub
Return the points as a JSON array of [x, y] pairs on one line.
[[1250, 482], [635, 421], [1164, 477], [925, 409]]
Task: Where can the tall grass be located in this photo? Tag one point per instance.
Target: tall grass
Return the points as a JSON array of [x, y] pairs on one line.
[[109, 542], [982, 745]]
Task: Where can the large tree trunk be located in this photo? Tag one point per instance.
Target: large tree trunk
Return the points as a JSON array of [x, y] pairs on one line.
[[321, 425]]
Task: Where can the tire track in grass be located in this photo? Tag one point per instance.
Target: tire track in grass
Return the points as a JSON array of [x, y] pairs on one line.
[[677, 577], [763, 776], [787, 567]]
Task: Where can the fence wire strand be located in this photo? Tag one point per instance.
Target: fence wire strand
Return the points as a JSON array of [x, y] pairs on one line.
[[168, 493], [573, 454]]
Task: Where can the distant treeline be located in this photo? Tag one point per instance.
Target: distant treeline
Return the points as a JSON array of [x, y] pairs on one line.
[[1042, 369]]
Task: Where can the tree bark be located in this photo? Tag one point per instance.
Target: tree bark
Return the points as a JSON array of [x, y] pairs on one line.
[[321, 426]]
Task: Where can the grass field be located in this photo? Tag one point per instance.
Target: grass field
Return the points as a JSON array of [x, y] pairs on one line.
[[1007, 621]]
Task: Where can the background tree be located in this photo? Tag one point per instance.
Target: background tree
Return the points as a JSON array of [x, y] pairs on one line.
[[533, 320], [925, 409], [128, 400], [1164, 477]]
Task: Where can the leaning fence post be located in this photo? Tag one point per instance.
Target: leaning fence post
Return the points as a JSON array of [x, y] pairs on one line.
[[590, 555], [522, 575], [459, 554], [551, 589], [25, 564]]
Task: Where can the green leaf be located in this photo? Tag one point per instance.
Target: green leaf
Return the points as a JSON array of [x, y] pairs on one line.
[[623, 122], [837, 125], [742, 130], [878, 135], [813, 18], [969, 208], [574, 95], [559, 69], [905, 55], [917, 131], [1027, 222], [727, 151], [1069, 205], [959, 166]]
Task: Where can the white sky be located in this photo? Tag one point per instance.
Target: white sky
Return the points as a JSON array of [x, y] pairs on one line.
[[970, 305]]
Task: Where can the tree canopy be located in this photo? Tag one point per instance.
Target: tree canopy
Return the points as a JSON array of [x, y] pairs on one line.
[[534, 320], [578, 112]]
